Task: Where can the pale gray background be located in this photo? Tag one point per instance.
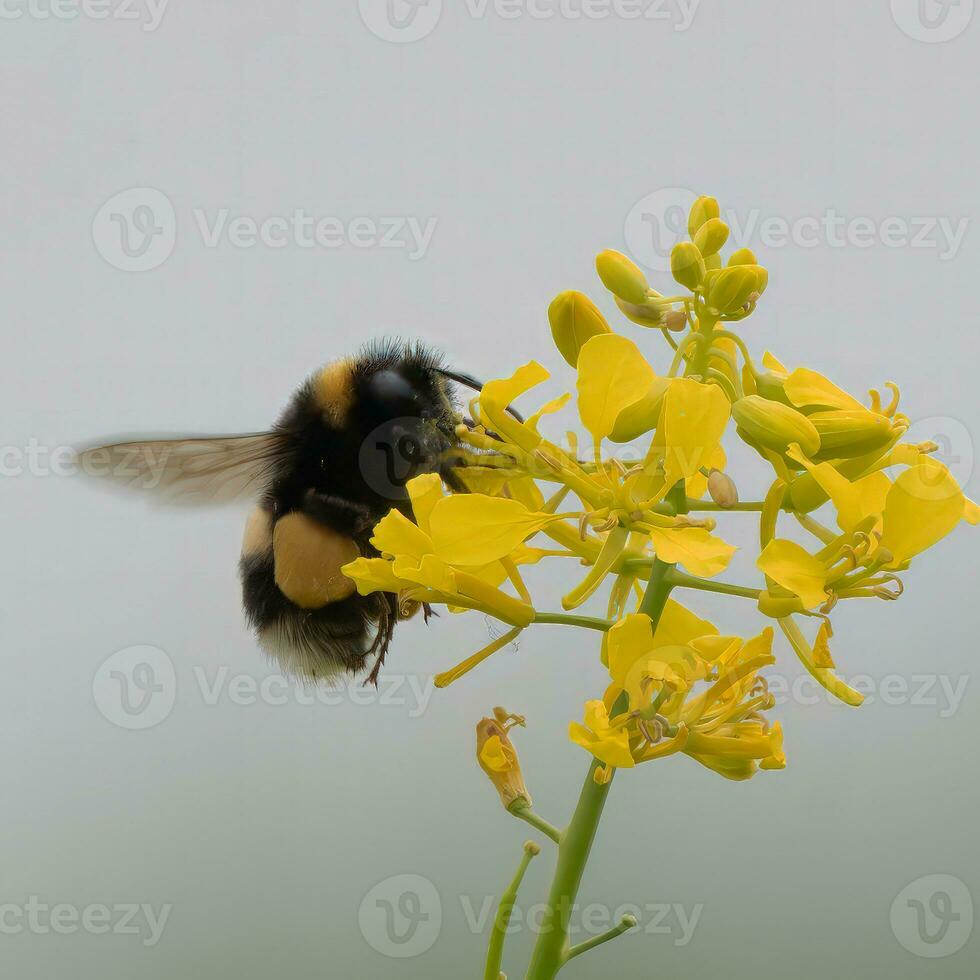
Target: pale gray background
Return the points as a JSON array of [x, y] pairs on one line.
[[529, 141]]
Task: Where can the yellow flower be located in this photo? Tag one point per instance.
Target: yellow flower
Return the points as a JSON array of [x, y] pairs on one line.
[[702, 697], [451, 553], [608, 745]]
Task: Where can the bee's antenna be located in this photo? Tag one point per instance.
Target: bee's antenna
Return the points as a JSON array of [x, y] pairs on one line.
[[468, 381]]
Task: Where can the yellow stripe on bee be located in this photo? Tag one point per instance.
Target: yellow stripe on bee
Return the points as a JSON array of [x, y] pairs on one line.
[[308, 559], [333, 391], [258, 533]]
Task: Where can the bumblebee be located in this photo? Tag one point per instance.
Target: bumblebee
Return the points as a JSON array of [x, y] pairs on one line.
[[332, 466]]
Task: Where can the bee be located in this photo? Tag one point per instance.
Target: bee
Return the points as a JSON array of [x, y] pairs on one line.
[[331, 467]]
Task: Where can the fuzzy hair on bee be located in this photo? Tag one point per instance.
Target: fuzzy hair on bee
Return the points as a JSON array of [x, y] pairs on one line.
[[336, 461]]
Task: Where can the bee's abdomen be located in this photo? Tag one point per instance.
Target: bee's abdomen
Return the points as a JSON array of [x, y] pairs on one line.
[[320, 628]]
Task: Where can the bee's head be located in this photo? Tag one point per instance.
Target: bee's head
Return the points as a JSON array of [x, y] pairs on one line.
[[362, 427]]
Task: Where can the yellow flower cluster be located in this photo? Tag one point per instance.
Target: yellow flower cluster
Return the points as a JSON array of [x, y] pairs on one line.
[[649, 508], [654, 707]]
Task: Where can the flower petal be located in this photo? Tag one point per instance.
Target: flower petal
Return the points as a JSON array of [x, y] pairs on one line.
[[424, 492], [795, 569], [678, 626], [471, 529], [612, 375], [373, 575], [806, 388], [698, 551], [395, 534], [693, 421], [924, 504], [498, 394]]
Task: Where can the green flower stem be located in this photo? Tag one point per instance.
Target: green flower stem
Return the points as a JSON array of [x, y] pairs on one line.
[[627, 922], [523, 811], [495, 950], [565, 619], [750, 505], [551, 951], [682, 580]]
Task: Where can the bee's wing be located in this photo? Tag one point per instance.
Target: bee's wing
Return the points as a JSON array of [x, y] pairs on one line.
[[188, 470]]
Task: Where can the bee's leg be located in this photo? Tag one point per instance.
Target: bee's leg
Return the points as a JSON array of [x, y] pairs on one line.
[[382, 640]]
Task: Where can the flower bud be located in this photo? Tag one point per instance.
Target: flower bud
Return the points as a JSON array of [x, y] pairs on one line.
[[574, 320], [848, 433], [729, 289], [771, 385], [711, 236], [774, 425], [498, 758], [687, 265], [704, 209], [713, 262], [676, 321], [742, 256], [621, 276], [722, 489]]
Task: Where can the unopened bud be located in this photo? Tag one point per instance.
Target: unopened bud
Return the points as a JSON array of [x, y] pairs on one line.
[[621, 276], [498, 757], [722, 489], [574, 320], [730, 288], [742, 256], [676, 320], [711, 236], [774, 425], [687, 264], [704, 209]]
